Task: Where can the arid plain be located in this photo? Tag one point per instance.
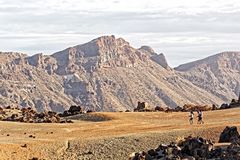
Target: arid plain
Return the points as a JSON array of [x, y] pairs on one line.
[[115, 138]]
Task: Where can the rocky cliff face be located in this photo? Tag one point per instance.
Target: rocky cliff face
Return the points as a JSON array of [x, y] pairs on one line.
[[107, 74], [103, 52], [25, 81], [47, 63], [158, 58]]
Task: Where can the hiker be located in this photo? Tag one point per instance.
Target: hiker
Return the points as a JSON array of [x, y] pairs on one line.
[[200, 117], [191, 115]]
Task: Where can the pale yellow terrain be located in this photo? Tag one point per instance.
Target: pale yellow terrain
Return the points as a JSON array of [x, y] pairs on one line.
[[112, 139]]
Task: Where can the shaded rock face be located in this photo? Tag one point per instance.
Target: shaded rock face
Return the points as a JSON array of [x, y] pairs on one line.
[[158, 58], [229, 134], [161, 60]]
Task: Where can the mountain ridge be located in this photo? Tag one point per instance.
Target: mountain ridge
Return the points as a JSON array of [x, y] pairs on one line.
[[107, 74], [214, 57]]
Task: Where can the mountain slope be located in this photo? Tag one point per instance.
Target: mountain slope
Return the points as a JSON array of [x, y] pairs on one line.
[[218, 74], [107, 74], [29, 86]]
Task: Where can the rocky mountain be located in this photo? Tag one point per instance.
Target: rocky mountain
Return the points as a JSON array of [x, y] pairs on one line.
[[218, 74], [108, 74], [26, 82]]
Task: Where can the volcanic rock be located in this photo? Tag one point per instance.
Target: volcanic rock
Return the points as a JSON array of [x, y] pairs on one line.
[[190, 148], [142, 107], [229, 134]]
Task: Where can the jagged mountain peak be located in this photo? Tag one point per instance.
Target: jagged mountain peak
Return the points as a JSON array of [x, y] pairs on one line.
[[109, 40], [105, 51], [97, 46], [147, 49]]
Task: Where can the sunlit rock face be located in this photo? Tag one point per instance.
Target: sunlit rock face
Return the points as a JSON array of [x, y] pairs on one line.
[[108, 74]]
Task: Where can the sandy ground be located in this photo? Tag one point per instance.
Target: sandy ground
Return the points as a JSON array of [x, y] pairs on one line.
[[113, 139]]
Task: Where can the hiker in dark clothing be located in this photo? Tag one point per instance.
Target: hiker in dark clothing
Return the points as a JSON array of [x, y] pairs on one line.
[[200, 117], [191, 116]]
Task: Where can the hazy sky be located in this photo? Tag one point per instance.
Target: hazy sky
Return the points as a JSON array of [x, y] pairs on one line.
[[184, 30]]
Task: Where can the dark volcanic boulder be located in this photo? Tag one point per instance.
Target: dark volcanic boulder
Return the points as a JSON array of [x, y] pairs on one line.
[[214, 107], [224, 106], [75, 109], [234, 103], [229, 134], [40, 115], [189, 148], [142, 107], [66, 113], [178, 109], [197, 147], [159, 108], [194, 148], [89, 111]]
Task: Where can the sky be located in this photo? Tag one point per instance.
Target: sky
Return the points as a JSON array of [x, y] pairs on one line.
[[184, 30]]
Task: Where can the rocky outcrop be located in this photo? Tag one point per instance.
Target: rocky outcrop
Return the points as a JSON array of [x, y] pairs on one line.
[[190, 148], [73, 110], [191, 107], [233, 104], [187, 108], [142, 107], [159, 108], [28, 115], [229, 134]]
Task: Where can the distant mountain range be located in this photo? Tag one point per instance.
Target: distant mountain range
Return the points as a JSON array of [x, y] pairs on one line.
[[107, 74]]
